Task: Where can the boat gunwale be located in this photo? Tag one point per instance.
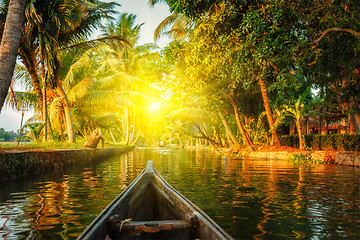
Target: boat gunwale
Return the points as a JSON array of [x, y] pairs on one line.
[[151, 173], [198, 211], [108, 209]]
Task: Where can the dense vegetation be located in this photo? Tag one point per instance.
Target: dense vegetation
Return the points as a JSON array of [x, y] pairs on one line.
[[6, 136], [236, 73]]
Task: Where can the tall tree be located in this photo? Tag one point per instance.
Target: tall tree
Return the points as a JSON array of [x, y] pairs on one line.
[[9, 45]]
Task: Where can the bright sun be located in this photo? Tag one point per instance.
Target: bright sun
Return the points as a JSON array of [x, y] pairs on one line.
[[155, 106]]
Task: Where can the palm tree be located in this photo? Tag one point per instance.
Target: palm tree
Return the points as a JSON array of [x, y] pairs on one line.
[[297, 111], [179, 25], [127, 61], [9, 44], [49, 27]]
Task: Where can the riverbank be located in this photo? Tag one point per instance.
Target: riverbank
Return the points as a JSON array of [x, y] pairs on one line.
[[346, 158], [19, 163]]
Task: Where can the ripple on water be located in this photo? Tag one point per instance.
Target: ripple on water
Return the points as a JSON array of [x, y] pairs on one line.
[[249, 198]]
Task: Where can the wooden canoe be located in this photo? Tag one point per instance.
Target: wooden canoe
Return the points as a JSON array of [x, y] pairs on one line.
[[149, 208]]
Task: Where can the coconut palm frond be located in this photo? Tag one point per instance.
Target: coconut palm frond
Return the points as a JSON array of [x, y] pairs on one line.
[[164, 25], [56, 115], [105, 101], [118, 81], [154, 2], [179, 25], [23, 101], [22, 78], [108, 120], [91, 44], [80, 90], [145, 49], [83, 62], [108, 66]]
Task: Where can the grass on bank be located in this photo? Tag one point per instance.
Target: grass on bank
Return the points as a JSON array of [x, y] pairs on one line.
[[29, 146]]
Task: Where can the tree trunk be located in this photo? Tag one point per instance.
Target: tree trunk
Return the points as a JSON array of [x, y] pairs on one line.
[[356, 114], [327, 127], [206, 137], [67, 110], [45, 108], [94, 139], [320, 126], [10, 44], [307, 125], [45, 116], [31, 68], [243, 132], [20, 130], [112, 136], [352, 106], [268, 113], [301, 142], [137, 137], [127, 127], [218, 137], [229, 133]]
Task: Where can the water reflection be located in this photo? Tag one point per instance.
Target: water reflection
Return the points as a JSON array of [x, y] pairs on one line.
[[250, 199]]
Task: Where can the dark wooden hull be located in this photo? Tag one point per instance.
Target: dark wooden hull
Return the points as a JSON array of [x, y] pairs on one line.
[[152, 209]]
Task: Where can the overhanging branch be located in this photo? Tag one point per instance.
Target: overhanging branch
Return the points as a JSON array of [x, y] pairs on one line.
[[322, 35]]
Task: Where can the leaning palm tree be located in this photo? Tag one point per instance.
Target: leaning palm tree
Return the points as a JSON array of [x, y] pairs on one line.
[[10, 43], [51, 26]]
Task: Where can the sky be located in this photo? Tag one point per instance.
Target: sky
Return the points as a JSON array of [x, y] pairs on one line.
[[150, 16]]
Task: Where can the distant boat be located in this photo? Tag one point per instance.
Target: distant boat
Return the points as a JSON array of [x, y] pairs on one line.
[[149, 208]]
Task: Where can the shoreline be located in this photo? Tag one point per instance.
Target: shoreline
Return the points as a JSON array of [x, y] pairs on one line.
[[345, 158], [20, 163]]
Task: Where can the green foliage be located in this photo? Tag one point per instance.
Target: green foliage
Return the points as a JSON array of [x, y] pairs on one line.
[[259, 133], [300, 158], [6, 136], [290, 140], [35, 131], [333, 142]]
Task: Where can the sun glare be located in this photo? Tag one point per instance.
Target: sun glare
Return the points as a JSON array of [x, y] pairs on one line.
[[155, 106]]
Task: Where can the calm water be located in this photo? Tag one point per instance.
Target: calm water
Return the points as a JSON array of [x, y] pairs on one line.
[[250, 199]]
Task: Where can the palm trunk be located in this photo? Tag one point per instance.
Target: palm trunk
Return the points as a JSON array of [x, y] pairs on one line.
[[112, 136], [21, 123], [44, 113], [67, 110], [137, 137], [127, 119], [45, 109], [34, 79], [301, 142], [9, 45], [268, 113], [132, 134]]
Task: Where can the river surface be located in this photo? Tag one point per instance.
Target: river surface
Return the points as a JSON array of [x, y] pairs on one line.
[[250, 199]]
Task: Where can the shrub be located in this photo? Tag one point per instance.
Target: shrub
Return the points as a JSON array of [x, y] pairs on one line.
[[336, 142]]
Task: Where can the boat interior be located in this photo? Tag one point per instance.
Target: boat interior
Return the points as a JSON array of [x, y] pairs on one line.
[[149, 210]]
